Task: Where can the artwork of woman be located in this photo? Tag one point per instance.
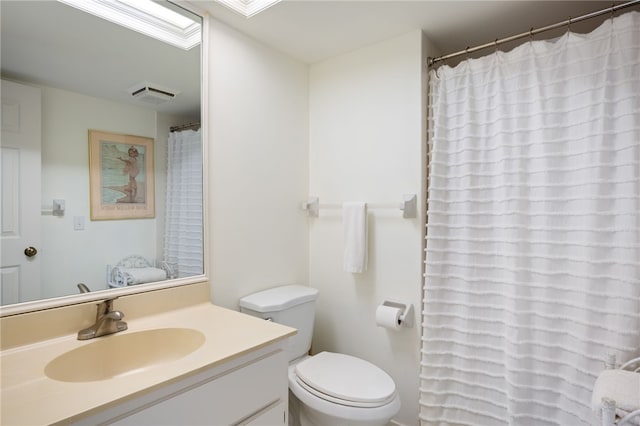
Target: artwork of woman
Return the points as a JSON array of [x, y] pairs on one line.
[[121, 176], [131, 168]]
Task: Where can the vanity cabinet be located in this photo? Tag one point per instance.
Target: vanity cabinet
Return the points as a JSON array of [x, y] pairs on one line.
[[250, 390]]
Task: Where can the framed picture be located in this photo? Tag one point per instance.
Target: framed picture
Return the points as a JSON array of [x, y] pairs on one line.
[[121, 176]]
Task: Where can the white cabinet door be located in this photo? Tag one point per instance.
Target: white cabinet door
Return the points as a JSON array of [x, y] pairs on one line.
[[273, 417], [242, 394]]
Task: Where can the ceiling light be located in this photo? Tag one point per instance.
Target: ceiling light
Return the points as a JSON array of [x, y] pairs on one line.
[[161, 12], [248, 8], [146, 17]]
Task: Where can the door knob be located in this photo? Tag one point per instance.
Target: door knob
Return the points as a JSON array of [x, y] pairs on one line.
[[30, 251]]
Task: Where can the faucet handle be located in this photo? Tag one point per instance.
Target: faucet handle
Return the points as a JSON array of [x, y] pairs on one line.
[[106, 305], [114, 315]]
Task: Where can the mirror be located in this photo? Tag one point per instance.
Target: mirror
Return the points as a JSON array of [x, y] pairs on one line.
[[86, 69]]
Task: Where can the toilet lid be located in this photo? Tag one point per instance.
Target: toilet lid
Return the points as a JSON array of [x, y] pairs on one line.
[[345, 380]]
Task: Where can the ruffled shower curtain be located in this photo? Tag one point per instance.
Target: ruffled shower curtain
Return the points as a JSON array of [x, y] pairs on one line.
[[533, 240], [183, 243]]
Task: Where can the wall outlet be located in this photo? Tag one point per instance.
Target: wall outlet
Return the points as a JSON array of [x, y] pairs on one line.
[[78, 223]]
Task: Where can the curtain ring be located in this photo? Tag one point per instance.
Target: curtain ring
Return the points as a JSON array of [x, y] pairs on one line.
[[495, 44], [531, 34], [569, 24], [466, 51]]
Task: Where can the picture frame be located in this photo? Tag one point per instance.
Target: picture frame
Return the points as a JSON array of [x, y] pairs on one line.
[[121, 176]]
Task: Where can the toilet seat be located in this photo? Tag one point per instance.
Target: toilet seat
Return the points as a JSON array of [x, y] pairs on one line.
[[345, 380]]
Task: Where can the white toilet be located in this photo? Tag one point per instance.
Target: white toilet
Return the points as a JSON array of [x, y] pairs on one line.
[[328, 388]]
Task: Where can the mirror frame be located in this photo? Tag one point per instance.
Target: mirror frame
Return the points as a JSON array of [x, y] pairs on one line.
[[100, 295]]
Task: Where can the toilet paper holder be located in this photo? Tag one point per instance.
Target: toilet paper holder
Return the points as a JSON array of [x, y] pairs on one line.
[[406, 317]]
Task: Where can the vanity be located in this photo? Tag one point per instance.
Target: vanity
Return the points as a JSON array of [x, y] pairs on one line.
[[181, 361]]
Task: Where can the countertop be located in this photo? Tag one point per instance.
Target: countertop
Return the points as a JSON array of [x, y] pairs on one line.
[[29, 397]]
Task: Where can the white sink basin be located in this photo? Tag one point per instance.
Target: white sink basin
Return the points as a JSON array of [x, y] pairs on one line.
[[122, 354]]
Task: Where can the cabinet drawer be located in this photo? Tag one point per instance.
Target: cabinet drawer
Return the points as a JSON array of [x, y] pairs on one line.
[[226, 399], [276, 415]]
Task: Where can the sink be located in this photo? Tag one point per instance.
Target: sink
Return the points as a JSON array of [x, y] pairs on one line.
[[123, 354]]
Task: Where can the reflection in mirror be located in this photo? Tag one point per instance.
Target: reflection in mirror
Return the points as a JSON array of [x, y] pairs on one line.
[[66, 73]]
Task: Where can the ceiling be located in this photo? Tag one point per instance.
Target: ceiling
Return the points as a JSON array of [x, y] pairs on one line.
[[49, 43], [52, 44], [314, 30]]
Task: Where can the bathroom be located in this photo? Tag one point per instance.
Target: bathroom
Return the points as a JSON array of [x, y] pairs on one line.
[[344, 128]]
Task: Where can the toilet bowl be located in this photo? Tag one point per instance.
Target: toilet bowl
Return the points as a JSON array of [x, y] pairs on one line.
[[326, 389], [338, 389]]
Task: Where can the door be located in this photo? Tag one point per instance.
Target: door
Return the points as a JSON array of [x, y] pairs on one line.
[[20, 187]]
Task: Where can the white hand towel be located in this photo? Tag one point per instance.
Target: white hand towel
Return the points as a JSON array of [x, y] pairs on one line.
[[354, 220], [135, 276]]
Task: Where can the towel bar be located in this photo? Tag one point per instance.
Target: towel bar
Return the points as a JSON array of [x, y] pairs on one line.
[[409, 206]]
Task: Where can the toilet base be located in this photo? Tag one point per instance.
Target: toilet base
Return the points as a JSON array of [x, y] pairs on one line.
[[303, 415]]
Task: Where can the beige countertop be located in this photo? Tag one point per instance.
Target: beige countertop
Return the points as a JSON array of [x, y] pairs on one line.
[[29, 397]]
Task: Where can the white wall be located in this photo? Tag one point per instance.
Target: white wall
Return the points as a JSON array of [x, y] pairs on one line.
[[349, 128], [367, 144], [258, 150], [69, 256]]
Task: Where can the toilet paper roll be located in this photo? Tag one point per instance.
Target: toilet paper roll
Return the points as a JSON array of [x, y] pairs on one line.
[[388, 317]]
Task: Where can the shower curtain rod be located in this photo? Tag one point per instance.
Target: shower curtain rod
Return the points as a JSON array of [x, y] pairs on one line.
[[193, 125], [534, 31]]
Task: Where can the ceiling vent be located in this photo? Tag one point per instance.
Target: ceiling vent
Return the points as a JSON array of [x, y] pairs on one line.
[[152, 93]]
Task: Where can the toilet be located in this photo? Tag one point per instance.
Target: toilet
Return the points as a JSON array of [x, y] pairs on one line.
[[327, 388]]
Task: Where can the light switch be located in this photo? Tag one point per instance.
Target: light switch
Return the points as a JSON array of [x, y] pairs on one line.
[[57, 208], [78, 223]]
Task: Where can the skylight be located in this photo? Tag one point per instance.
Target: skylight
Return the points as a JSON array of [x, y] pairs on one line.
[[146, 17], [160, 12], [248, 8]]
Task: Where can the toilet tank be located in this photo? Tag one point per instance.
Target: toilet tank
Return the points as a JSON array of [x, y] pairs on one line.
[[290, 305]]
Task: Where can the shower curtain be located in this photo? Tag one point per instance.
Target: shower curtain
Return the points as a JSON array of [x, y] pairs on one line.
[[533, 236], [183, 243]]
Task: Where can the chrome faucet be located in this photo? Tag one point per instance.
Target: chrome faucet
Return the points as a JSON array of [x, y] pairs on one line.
[[108, 321]]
